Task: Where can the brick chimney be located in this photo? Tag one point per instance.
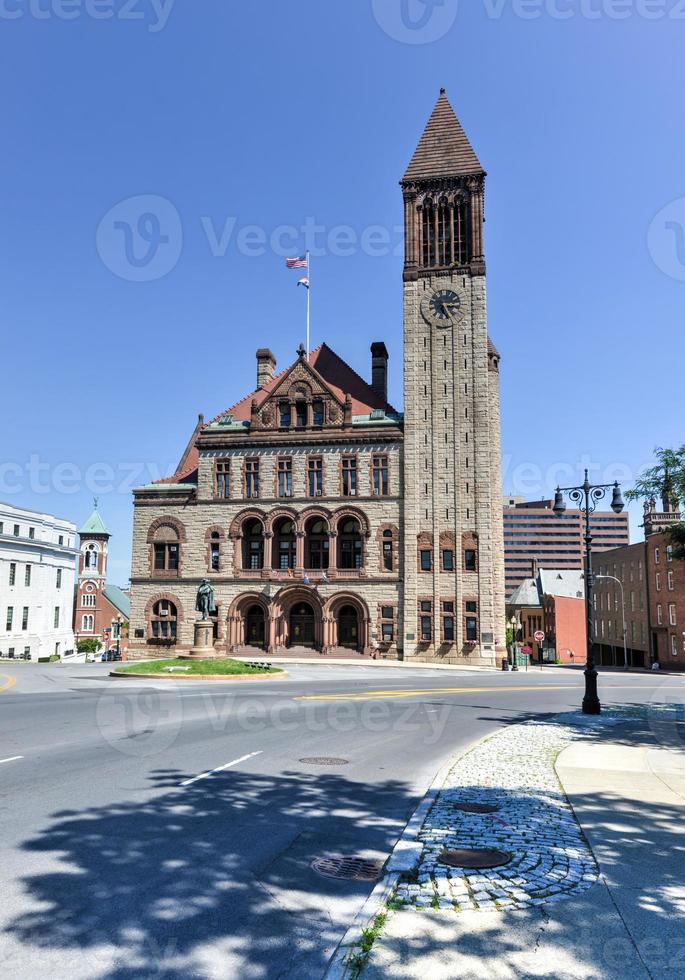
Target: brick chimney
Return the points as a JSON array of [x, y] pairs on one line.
[[379, 369], [266, 366]]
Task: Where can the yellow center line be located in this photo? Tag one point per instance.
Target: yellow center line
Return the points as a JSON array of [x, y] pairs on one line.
[[10, 682], [372, 695], [399, 693]]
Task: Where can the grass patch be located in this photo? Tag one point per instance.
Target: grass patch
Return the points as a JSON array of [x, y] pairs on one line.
[[357, 961], [227, 667]]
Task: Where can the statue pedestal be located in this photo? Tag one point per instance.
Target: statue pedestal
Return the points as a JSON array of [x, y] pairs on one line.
[[203, 646]]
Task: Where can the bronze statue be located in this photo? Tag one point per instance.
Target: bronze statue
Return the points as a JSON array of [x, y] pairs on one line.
[[205, 603]]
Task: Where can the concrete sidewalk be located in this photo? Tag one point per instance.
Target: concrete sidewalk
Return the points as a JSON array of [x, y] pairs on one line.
[[626, 784]]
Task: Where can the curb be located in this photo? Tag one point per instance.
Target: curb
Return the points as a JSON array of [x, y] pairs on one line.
[[120, 675], [404, 857], [337, 662]]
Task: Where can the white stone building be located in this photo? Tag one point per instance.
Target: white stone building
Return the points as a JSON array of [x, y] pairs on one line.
[[37, 571]]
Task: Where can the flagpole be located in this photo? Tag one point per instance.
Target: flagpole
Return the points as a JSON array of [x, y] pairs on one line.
[[309, 292]]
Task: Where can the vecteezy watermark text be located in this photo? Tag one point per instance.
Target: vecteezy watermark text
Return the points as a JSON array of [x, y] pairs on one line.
[[426, 21], [154, 14], [69, 478], [140, 239]]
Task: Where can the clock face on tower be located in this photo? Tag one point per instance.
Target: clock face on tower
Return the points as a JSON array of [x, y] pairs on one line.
[[442, 307]]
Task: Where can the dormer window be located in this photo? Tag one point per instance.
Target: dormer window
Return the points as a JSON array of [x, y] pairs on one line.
[[317, 413], [301, 414]]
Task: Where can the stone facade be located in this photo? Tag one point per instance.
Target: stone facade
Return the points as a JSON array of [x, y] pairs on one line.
[[321, 515]]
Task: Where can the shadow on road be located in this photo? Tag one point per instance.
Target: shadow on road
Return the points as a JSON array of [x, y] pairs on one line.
[[209, 880]]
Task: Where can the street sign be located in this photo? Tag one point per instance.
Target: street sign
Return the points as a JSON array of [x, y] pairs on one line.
[[539, 636]]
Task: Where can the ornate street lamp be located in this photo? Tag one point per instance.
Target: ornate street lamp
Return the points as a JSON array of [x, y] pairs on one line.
[[587, 497]]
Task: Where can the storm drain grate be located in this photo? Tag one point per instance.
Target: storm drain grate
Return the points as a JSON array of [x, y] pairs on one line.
[[324, 760], [475, 808], [466, 857], [347, 868]]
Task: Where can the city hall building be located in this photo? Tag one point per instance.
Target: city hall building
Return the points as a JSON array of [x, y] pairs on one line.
[[325, 517]]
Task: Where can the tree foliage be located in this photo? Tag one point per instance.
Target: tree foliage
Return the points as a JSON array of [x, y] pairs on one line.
[[667, 478], [90, 645]]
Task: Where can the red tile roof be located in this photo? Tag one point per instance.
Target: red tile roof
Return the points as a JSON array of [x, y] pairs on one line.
[[444, 149], [334, 372]]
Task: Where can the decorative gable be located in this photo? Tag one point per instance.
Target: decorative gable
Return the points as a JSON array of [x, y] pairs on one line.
[[300, 400]]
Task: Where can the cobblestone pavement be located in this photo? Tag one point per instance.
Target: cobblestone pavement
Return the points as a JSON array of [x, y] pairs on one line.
[[550, 859]]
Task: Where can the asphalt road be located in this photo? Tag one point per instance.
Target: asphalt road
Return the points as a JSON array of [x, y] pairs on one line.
[[168, 828]]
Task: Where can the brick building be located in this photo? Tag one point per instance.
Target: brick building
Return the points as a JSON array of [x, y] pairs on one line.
[[534, 534], [552, 602], [101, 611], [653, 590], [628, 565], [322, 515]]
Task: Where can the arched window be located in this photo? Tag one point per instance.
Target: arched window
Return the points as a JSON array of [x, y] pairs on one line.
[[91, 557], [317, 543], [253, 545], [350, 546], [284, 544], [388, 557], [428, 234], [215, 551], [88, 623], [163, 621], [166, 550], [444, 242], [445, 232]]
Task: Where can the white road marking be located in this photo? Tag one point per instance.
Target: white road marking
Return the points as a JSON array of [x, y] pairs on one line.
[[228, 765], [11, 759]]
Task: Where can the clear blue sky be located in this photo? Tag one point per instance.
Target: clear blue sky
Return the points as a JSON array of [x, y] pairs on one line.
[[269, 113]]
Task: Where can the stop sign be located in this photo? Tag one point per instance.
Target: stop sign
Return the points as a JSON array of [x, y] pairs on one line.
[[539, 636]]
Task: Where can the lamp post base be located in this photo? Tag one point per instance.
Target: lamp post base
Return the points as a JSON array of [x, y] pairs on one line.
[[591, 704]]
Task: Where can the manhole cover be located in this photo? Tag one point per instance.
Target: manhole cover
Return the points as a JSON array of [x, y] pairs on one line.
[[324, 760], [476, 808], [466, 857], [347, 868]]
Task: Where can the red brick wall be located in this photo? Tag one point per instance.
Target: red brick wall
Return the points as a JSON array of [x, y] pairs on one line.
[[664, 635], [569, 625]]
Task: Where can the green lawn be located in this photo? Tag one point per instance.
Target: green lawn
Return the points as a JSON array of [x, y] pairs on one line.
[[194, 667]]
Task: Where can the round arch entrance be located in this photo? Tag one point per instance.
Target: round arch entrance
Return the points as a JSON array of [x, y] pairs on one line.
[[348, 627], [301, 625], [347, 624], [255, 627]]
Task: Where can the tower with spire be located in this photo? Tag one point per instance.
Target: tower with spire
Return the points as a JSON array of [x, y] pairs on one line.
[[453, 534], [98, 607]]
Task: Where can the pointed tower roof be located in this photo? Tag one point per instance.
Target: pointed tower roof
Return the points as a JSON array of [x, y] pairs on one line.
[[94, 524], [444, 149]]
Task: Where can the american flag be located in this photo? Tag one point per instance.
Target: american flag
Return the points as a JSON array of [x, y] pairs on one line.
[[300, 262]]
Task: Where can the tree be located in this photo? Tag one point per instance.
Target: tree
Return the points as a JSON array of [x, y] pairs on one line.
[[666, 481], [90, 645]]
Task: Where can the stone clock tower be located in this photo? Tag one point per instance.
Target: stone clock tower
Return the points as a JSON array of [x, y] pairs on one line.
[[453, 538]]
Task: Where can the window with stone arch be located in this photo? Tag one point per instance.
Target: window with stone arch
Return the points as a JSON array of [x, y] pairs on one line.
[[253, 545], [317, 544], [166, 550], [388, 546], [350, 544], [164, 621]]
